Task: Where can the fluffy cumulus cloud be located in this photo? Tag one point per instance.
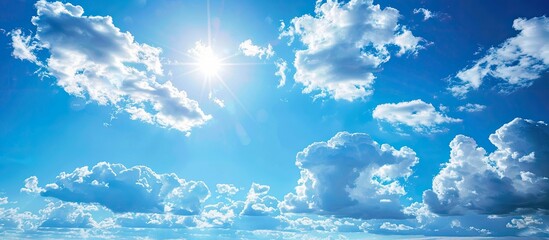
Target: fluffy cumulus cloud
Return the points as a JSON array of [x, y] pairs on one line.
[[345, 43], [91, 58], [417, 114], [471, 107], [13, 218], [259, 203], [351, 175], [515, 177], [136, 189], [251, 50], [31, 186], [517, 62], [68, 215]]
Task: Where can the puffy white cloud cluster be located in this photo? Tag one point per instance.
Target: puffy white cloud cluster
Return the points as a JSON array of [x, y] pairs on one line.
[[417, 114], [259, 203], [31, 186], [13, 218], [524, 222], [135, 189], [351, 175], [91, 58], [345, 43], [68, 215], [251, 50], [518, 61], [514, 177]]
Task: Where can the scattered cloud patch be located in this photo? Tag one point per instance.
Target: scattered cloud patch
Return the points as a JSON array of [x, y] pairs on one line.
[[427, 14], [135, 189], [524, 222], [154, 220], [281, 66], [517, 62], [395, 227], [24, 46], [514, 177], [251, 50], [227, 189], [351, 175], [68, 215], [470, 107], [91, 58], [345, 43], [422, 117]]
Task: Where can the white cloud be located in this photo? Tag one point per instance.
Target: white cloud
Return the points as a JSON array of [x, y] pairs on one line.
[[216, 100], [328, 224], [136, 189], [227, 189], [345, 43], [154, 220], [282, 66], [220, 214], [395, 227], [482, 231], [91, 58], [68, 215], [259, 203], [420, 211], [349, 175], [518, 61], [251, 50], [524, 222], [426, 13], [522, 150], [219, 102], [24, 46], [31, 186], [470, 107], [420, 116], [12, 218]]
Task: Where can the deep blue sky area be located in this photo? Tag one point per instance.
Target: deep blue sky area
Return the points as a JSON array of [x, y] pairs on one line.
[[274, 119]]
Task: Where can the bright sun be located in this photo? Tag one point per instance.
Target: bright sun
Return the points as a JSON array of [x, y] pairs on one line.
[[208, 63], [205, 60]]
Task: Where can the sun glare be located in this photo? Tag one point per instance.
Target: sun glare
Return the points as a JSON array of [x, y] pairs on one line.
[[208, 63], [205, 60]]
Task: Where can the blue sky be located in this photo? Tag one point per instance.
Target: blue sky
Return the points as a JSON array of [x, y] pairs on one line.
[[274, 119]]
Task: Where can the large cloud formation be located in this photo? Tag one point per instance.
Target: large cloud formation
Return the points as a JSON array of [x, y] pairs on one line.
[[518, 61], [514, 177], [417, 114], [136, 189], [345, 44], [91, 58], [351, 175]]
